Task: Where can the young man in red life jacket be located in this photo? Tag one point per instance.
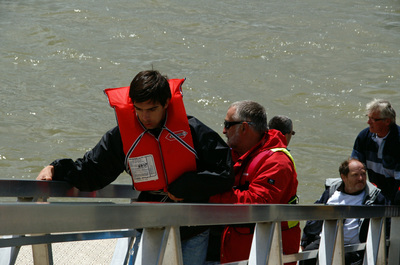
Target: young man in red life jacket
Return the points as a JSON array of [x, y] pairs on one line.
[[264, 173], [168, 154]]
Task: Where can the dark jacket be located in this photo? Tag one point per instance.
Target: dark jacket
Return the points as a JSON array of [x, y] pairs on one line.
[[383, 169], [313, 228], [105, 162]]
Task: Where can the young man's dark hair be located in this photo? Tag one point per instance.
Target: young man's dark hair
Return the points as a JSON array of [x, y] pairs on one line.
[[150, 85]]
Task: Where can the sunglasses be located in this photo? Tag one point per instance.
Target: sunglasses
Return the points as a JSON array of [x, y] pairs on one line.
[[229, 124]]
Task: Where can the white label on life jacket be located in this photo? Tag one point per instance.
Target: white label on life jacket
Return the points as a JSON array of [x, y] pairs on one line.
[[143, 168]]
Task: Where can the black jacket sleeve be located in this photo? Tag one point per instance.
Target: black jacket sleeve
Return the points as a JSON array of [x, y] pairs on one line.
[[214, 166], [313, 228], [97, 168]]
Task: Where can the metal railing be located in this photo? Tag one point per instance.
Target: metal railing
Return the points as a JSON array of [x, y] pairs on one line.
[[33, 223]]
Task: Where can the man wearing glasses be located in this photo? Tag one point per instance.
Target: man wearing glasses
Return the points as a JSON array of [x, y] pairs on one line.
[[378, 146], [264, 173]]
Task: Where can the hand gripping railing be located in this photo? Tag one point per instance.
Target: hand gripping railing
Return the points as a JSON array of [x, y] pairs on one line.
[[40, 191], [53, 222]]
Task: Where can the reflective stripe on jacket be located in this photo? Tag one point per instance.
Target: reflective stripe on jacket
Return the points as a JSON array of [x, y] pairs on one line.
[[264, 155]]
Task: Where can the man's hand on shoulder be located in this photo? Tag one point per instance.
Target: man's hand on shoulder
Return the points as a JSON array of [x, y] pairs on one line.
[[47, 173]]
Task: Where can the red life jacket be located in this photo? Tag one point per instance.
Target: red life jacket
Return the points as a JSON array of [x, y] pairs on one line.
[[153, 162]]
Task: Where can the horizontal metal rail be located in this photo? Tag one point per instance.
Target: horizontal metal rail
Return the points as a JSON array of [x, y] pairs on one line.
[[49, 222], [57, 238], [46, 189], [26, 218]]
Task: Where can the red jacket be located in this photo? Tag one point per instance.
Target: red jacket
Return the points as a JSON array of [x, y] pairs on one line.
[[272, 180]]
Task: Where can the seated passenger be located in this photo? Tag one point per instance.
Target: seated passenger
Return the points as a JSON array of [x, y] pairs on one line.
[[351, 189]]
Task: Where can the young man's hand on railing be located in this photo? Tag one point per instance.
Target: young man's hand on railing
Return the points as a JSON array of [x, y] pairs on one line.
[[47, 173]]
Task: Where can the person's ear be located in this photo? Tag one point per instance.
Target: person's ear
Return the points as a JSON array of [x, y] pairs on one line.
[[245, 126]]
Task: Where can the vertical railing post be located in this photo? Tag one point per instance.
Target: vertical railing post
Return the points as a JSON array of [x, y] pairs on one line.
[[42, 253], [331, 247], [122, 250], [160, 246], [173, 249], [8, 255], [394, 250], [375, 247], [266, 247]]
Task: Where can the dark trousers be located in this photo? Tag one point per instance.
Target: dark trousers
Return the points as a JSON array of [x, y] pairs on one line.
[[351, 258]]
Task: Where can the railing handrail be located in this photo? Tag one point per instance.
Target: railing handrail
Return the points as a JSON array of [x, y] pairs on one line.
[[49, 222], [32, 217], [45, 189], [26, 218]]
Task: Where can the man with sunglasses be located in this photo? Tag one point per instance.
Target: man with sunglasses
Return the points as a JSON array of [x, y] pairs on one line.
[[378, 146], [264, 173]]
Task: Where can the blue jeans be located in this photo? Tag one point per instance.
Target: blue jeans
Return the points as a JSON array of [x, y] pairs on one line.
[[194, 250]]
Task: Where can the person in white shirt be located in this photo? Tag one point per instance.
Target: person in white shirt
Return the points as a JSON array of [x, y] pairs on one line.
[[352, 188]]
